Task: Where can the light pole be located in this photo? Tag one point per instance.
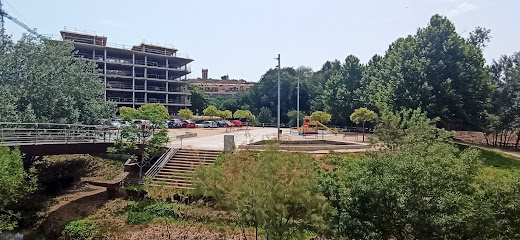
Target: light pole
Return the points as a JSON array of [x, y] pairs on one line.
[[278, 121], [298, 104]]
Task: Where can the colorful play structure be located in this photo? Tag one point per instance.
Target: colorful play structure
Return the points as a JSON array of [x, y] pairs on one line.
[[311, 127]]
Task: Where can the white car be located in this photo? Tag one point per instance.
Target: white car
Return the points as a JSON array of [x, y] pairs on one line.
[[210, 124]]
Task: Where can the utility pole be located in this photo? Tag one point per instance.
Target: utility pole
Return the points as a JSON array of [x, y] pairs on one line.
[[298, 104], [278, 121]]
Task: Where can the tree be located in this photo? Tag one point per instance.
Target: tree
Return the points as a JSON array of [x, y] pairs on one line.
[[199, 99], [265, 115], [244, 114], [15, 184], [320, 116], [293, 115], [138, 138], [211, 111], [339, 92], [44, 82], [185, 113], [272, 191], [503, 116], [480, 37], [436, 70], [363, 115], [226, 114]]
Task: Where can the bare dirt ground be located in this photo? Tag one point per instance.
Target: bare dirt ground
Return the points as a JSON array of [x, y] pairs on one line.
[[473, 137]]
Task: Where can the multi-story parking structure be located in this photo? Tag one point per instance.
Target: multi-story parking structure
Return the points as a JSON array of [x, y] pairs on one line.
[[136, 75]]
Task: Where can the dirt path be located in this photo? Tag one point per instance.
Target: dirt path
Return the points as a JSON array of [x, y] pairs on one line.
[[76, 203], [498, 150]]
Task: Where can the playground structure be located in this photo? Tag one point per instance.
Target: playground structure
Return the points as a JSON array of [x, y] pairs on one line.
[[311, 127]]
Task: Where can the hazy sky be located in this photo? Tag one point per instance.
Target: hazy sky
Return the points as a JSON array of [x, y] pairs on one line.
[[241, 37]]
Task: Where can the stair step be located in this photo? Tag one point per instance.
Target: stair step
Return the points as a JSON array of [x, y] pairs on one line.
[[186, 159], [172, 180]]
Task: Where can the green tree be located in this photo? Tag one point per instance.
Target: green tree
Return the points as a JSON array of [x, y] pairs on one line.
[[45, 82], [265, 115], [293, 115], [226, 114], [211, 111], [136, 138], [339, 92], [185, 113], [15, 184], [363, 115], [503, 116], [436, 70], [272, 191], [199, 99], [244, 114], [320, 116]]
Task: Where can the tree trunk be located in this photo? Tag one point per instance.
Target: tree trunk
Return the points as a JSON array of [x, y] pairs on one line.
[[363, 131], [517, 139]]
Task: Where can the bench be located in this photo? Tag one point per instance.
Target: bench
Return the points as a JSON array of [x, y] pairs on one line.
[[354, 134]]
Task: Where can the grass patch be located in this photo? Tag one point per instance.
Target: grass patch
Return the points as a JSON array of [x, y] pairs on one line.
[[496, 160]]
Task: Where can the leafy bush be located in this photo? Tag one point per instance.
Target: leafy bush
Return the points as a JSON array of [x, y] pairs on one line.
[[275, 193], [81, 230], [147, 210]]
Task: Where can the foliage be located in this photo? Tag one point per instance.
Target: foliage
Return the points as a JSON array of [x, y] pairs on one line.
[[244, 114], [147, 210], [211, 111], [199, 99], [272, 191], [128, 114], [137, 138], [15, 184], [81, 230], [436, 70], [396, 129], [154, 112], [42, 81], [339, 92], [265, 115], [293, 115], [185, 113], [226, 114], [363, 115], [320, 116], [503, 117], [429, 188]]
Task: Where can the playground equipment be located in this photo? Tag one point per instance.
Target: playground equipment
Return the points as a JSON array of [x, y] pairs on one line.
[[311, 127]]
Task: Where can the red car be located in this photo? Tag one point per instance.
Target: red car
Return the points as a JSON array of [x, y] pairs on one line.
[[229, 124], [237, 123], [188, 124]]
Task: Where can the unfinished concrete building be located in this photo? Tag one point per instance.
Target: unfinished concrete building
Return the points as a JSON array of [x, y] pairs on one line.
[[136, 75]]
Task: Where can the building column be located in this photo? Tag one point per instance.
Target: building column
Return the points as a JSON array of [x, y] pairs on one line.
[[105, 70], [133, 80], [167, 83], [146, 79]]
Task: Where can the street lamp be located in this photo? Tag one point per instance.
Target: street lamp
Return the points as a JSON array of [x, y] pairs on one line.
[[278, 121]]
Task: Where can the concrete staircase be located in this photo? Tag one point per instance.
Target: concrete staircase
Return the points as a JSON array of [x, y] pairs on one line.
[[179, 170]]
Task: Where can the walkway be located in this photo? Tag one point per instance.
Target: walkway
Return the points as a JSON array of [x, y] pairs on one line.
[[242, 137]]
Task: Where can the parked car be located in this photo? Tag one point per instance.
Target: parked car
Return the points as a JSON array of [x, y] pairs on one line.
[[210, 124], [221, 123], [229, 124], [188, 124], [174, 123], [237, 123]]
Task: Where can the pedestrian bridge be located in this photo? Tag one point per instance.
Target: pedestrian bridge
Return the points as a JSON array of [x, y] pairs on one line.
[[38, 139]]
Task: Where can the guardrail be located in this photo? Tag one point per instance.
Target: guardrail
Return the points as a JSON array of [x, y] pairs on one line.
[[161, 162], [34, 133]]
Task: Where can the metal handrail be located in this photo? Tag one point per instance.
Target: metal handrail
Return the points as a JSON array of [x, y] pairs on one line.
[[161, 162]]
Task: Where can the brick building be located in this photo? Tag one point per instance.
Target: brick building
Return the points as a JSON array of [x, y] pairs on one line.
[[220, 87]]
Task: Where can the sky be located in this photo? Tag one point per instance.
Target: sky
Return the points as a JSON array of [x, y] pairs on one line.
[[241, 38]]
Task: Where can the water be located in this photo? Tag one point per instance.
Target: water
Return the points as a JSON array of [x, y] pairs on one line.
[[21, 235]]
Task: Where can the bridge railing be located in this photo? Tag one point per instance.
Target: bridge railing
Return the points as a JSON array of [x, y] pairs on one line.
[[37, 133]]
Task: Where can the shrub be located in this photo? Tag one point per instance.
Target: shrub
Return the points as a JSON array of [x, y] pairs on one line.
[[147, 210], [81, 230]]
